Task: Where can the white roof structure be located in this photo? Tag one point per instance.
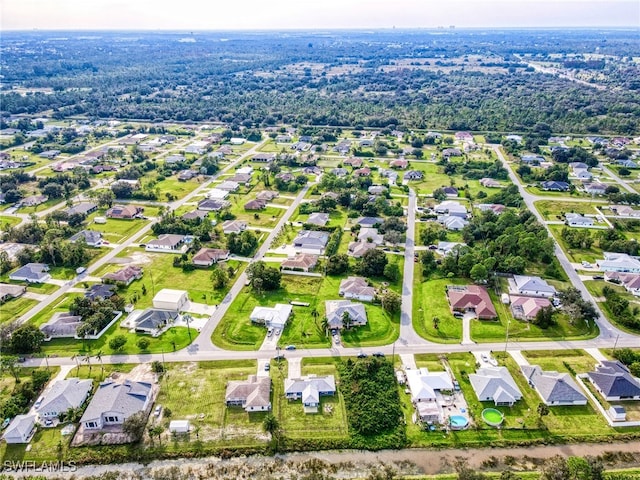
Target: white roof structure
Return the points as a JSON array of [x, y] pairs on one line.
[[496, 384], [534, 286], [370, 235], [19, 429], [275, 316], [169, 295], [619, 262], [65, 394], [423, 384], [217, 194], [451, 207]]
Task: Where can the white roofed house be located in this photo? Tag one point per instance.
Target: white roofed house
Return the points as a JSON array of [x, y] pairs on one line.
[[451, 208], [530, 286], [452, 223], [619, 262], [309, 389], [63, 395], [301, 262], [21, 429], [357, 288], [344, 314], [311, 241], [170, 299], [272, 317], [318, 218], [91, 237], [167, 243], [423, 386], [233, 226], [577, 220], [495, 384], [114, 402]]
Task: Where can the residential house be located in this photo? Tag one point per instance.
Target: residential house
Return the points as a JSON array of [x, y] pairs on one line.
[[452, 222], [217, 194], [625, 211], [366, 142], [49, 154], [61, 325], [253, 394], [125, 275], [471, 299], [342, 147], [263, 157], [266, 195], [33, 200], [90, 237], [377, 189], [413, 175], [446, 248], [495, 384], [173, 159], [318, 218], [302, 262], [312, 170], [358, 249], [463, 136], [151, 320], [617, 262], [630, 281], [337, 311], [63, 395], [577, 220], [185, 175], [124, 211], [369, 221], [451, 152], [208, 256], [340, 172], [272, 317], [170, 299], [451, 208], [362, 172], [31, 273], [167, 243], [489, 183], [212, 205], [354, 162], [626, 163], [240, 178], [8, 291], [233, 226], [283, 139], [496, 208], [84, 208], [532, 159], [228, 186], [236, 140], [526, 308], [595, 188], [195, 215], [514, 138], [614, 381], [451, 192], [197, 148], [357, 288], [309, 389], [399, 163], [301, 146], [100, 291], [285, 177], [370, 235], [311, 241], [426, 388], [114, 402], [554, 388], [554, 186], [20, 430], [581, 174], [530, 286], [255, 205]]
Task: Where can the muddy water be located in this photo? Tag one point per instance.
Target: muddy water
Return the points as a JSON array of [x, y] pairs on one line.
[[353, 464]]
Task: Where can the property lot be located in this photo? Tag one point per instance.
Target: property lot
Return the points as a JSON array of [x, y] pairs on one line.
[[14, 308], [555, 210]]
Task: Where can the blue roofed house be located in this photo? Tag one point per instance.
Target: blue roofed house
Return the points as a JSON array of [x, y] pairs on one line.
[[614, 381], [554, 388]]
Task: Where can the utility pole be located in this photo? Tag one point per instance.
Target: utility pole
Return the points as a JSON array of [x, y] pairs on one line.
[[506, 343]]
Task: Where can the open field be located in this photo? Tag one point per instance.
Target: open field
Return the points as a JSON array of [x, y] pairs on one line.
[[555, 210], [429, 301], [14, 308]]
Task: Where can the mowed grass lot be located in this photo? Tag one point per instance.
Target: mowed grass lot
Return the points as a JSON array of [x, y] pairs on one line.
[[196, 392], [331, 419], [16, 307], [7, 221], [554, 210], [429, 301], [578, 360]]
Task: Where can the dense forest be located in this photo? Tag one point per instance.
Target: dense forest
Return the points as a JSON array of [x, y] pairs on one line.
[[460, 80]]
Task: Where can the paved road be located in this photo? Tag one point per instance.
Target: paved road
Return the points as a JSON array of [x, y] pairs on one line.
[[620, 182], [607, 330]]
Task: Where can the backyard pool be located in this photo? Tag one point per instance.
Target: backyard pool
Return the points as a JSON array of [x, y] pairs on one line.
[[492, 417], [458, 422]]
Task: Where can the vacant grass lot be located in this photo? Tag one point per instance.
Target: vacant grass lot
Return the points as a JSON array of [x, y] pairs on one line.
[[429, 301], [578, 360], [7, 221], [554, 210], [265, 218], [595, 288], [14, 308]]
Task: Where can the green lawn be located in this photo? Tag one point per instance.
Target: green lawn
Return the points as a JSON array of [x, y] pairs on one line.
[[554, 210], [595, 288], [115, 230], [98, 371], [431, 361], [15, 308], [43, 206], [429, 301], [579, 360], [8, 221], [266, 218]]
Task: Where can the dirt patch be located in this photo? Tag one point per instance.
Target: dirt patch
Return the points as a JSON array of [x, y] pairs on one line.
[[135, 258]]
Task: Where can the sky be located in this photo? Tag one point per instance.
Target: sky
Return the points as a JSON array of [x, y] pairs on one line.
[[312, 14]]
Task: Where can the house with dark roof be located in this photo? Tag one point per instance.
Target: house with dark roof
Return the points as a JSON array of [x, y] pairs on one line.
[[100, 291], [263, 157], [91, 237], [413, 175], [114, 402], [253, 394], [471, 299], [151, 320], [195, 215], [554, 388], [61, 325], [212, 204], [451, 192], [554, 186], [31, 273], [495, 384], [369, 221], [255, 204], [337, 310], [614, 381]]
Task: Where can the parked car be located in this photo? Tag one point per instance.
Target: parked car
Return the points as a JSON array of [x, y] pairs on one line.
[[157, 410], [290, 347], [267, 366], [598, 277], [278, 357], [362, 355], [378, 354]]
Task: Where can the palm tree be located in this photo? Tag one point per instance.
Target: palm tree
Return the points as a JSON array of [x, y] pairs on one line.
[[271, 425], [87, 359], [99, 357], [75, 357], [325, 326], [346, 320]]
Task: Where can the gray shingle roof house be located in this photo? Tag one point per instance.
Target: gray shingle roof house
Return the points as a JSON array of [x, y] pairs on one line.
[[167, 242], [32, 273], [8, 291], [357, 288], [319, 219], [335, 309], [554, 388], [614, 381], [531, 286], [233, 226], [311, 240], [369, 221], [495, 384], [125, 275], [21, 429], [309, 389], [212, 204], [100, 290], [84, 208], [152, 320], [61, 325], [208, 256], [114, 402], [253, 394], [554, 186], [63, 395], [91, 237]]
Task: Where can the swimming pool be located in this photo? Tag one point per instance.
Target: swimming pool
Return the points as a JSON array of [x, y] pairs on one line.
[[458, 422]]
